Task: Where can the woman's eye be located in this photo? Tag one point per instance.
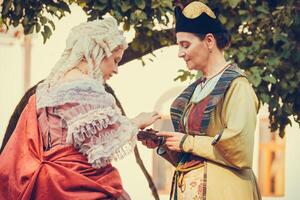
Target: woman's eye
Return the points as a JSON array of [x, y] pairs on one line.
[[185, 46], [117, 61]]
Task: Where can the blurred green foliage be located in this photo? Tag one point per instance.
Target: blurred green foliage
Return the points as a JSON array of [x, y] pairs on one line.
[[265, 38]]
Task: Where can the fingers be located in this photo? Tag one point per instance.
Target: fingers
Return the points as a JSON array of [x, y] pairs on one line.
[[156, 117], [172, 145], [165, 134], [149, 144], [150, 118], [154, 113]]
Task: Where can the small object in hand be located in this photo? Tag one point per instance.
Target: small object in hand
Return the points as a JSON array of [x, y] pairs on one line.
[[150, 134]]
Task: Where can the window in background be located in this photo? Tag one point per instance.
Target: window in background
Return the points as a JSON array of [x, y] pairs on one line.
[[271, 161]]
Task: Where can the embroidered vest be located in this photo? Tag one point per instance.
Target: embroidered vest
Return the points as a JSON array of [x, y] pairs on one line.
[[207, 105], [198, 121]]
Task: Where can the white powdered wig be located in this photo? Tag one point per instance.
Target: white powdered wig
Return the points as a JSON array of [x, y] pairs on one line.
[[91, 41]]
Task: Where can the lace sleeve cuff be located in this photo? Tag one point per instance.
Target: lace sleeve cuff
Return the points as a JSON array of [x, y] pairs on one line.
[[102, 134]]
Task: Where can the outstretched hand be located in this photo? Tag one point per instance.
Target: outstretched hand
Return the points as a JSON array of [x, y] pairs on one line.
[[145, 119], [172, 140]]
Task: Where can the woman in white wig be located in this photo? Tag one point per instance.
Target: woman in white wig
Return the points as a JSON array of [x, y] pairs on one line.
[[71, 129]]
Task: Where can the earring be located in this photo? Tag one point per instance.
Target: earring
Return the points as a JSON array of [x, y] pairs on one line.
[[210, 51]]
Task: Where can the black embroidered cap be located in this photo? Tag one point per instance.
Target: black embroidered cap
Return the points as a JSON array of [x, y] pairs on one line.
[[197, 18]]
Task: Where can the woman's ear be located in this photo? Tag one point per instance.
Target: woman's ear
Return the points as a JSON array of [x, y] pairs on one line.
[[210, 41]]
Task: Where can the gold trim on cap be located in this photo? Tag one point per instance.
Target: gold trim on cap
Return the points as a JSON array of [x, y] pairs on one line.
[[195, 9]]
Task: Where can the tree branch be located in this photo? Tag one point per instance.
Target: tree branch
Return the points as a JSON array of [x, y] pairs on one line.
[[139, 161], [158, 40]]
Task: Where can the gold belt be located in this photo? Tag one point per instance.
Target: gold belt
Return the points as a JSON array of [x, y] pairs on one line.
[[180, 172]]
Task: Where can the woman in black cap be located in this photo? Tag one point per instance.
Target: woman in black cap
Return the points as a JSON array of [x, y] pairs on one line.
[[214, 118]]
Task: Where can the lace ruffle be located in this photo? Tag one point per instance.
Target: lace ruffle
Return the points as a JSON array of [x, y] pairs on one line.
[[89, 122], [101, 133], [83, 91], [114, 146]]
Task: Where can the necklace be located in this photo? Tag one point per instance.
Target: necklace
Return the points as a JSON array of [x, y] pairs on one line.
[[81, 70], [206, 80]]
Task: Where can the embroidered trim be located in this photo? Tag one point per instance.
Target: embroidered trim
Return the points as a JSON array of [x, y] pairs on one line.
[[86, 91], [102, 134], [182, 141]]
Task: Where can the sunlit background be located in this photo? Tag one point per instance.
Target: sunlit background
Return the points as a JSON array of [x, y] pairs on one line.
[[25, 60]]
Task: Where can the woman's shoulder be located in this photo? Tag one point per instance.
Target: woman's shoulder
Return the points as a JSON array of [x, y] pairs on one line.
[[239, 88], [79, 84], [81, 89], [241, 81], [75, 79], [239, 84]]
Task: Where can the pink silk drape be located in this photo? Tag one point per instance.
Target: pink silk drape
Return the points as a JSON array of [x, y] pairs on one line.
[[27, 172]]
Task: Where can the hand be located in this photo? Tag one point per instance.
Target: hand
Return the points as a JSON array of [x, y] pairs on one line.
[[146, 119], [172, 140], [149, 144]]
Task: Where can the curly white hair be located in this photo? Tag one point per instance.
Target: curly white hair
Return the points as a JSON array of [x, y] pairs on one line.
[[91, 41]]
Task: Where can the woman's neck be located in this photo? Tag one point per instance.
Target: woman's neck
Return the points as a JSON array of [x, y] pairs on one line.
[[215, 66], [82, 66]]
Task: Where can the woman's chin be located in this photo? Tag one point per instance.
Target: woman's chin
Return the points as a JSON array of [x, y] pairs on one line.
[[190, 67]]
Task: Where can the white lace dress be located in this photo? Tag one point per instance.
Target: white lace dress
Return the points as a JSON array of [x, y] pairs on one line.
[[81, 113]]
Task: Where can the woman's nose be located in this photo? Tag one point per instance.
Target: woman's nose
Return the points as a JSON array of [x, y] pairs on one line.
[[181, 53], [116, 69]]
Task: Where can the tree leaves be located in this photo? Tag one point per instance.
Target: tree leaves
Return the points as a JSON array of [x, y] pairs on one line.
[[265, 39], [141, 4], [125, 6], [33, 15], [185, 75], [46, 33], [6, 5], [37, 27], [262, 9], [233, 3], [270, 79]]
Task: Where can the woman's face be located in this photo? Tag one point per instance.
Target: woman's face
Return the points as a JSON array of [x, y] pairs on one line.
[[194, 51], [109, 65]]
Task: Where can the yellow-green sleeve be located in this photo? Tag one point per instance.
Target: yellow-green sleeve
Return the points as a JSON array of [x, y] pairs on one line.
[[238, 117]]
